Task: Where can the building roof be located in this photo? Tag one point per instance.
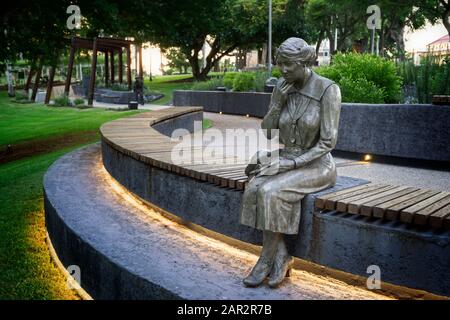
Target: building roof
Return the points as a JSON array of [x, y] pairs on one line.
[[445, 38]]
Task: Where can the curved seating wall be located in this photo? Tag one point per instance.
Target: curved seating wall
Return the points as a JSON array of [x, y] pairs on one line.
[[416, 131], [340, 241]]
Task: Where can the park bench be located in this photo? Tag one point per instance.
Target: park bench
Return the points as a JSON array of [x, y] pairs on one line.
[[396, 203], [443, 100]]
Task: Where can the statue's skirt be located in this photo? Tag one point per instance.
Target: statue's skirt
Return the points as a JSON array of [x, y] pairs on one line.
[[274, 202]]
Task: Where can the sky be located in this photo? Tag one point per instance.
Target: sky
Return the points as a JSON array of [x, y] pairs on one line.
[[417, 40]]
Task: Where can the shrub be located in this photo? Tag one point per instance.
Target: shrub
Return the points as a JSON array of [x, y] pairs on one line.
[[62, 101], [244, 81], [360, 90], [425, 80], [209, 85], [78, 101], [371, 71], [168, 72], [260, 80], [119, 87], [228, 79], [276, 72], [20, 96]]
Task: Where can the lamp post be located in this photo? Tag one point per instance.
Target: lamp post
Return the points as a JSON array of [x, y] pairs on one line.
[[269, 46]]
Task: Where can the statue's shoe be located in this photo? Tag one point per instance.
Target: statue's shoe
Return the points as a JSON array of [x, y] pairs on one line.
[[282, 267], [259, 272]]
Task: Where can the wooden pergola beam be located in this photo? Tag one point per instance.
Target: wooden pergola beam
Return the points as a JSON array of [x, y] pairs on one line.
[[112, 66], [37, 80], [93, 73], [69, 70], [129, 67], [48, 94], [106, 68], [120, 65]]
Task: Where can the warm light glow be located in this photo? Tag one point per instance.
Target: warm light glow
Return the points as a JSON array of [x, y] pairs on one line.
[[367, 157], [220, 112], [304, 280], [247, 115]]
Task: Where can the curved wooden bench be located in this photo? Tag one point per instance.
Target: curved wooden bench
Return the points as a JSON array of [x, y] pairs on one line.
[[136, 152], [136, 137]]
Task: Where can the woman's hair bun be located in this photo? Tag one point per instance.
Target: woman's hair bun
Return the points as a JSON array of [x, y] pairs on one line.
[[297, 49]]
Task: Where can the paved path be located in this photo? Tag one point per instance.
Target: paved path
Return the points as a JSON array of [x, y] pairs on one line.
[[375, 172]]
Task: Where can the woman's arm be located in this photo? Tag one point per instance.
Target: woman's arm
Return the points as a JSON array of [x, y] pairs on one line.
[[277, 100], [329, 121]]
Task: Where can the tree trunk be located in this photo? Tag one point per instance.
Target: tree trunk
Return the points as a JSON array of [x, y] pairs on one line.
[[10, 80], [241, 59], [319, 42], [331, 39], [29, 79], [396, 33], [446, 20]]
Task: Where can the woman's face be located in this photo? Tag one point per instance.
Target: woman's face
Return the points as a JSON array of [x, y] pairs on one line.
[[292, 71]]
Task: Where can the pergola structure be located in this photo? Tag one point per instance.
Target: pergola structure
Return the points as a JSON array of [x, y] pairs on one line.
[[108, 46]]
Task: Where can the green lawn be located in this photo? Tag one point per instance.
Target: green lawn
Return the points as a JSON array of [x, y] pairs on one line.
[[25, 122], [26, 270], [167, 89], [164, 85]]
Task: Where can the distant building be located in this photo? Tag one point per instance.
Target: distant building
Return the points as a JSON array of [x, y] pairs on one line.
[[323, 58], [417, 42], [439, 49]]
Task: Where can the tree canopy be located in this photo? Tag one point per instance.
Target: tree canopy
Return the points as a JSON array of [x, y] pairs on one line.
[[37, 29]]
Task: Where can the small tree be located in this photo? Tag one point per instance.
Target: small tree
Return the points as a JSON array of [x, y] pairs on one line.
[[177, 60]]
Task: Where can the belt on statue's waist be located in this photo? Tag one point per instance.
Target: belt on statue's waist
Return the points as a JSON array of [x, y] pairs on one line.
[[294, 150]]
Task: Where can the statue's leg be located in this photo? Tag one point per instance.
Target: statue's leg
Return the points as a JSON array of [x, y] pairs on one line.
[[262, 268], [282, 264]]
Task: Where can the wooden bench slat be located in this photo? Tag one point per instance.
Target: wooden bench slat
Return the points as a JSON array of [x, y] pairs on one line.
[[393, 212], [436, 219], [368, 209], [355, 206], [408, 214], [379, 210], [421, 217], [331, 203], [320, 201], [341, 205]]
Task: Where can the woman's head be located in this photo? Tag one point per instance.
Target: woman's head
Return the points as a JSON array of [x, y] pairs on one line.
[[293, 58]]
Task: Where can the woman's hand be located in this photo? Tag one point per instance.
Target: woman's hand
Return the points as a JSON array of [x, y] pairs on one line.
[[286, 164], [280, 93]]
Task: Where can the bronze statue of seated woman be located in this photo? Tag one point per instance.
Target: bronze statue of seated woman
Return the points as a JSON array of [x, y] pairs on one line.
[[305, 108]]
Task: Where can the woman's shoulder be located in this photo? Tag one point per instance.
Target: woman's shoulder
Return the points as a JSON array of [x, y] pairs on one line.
[[316, 86]]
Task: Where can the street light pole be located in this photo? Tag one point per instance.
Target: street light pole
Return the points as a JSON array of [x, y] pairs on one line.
[[269, 46]]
